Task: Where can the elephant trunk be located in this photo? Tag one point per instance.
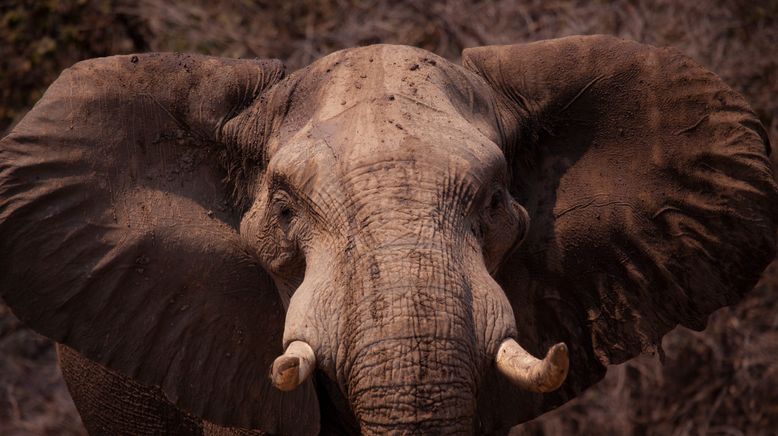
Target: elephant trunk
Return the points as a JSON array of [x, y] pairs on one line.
[[423, 385], [413, 360]]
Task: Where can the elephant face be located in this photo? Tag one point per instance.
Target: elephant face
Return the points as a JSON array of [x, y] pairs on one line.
[[197, 222], [380, 214]]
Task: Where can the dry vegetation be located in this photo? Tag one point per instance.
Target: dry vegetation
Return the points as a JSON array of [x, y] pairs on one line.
[[721, 381]]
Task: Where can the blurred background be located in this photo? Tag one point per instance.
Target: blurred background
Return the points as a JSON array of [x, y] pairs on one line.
[[723, 381]]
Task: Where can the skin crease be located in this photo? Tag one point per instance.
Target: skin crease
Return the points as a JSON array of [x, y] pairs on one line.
[[390, 209]]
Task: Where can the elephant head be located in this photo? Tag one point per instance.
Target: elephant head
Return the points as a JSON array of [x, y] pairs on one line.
[[385, 220]]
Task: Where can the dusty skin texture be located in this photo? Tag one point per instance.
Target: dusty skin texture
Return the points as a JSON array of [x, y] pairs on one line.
[[147, 201]]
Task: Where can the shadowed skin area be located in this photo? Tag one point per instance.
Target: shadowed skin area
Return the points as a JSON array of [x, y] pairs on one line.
[[385, 184]]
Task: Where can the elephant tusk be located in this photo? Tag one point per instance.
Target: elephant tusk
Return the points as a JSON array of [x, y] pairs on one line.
[[527, 372], [293, 367]]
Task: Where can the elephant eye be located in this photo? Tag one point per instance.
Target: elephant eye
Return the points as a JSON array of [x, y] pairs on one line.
[[285, 213], [285, 216], [282, 209], [496, 199]]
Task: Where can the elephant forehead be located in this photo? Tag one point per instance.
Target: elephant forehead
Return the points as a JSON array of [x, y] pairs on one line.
[[371, 98], [391, 76], [384, 114]]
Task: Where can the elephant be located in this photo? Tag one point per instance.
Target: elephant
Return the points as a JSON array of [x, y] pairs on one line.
[[383, 242]]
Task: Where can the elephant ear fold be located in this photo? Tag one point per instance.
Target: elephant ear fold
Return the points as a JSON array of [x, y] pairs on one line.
[[118, 236], [650, 193]]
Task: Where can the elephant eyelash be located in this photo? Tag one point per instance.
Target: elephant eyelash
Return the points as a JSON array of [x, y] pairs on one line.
[[279, 183]]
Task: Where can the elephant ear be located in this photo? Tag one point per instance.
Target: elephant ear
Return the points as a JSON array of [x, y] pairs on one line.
[[651, 199], [118, 237]]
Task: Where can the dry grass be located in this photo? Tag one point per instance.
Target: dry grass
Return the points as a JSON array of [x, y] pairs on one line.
[[721, 381]]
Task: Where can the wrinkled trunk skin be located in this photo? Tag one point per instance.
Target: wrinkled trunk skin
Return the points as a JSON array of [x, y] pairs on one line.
[[411, 352]]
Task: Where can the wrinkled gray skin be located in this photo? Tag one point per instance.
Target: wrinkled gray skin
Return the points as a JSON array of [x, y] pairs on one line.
[[398, 203]]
